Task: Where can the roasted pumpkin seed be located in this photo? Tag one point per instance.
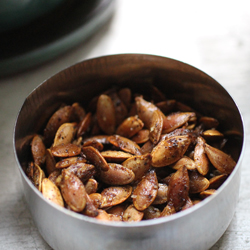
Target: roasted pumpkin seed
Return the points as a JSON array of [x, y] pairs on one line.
[[129, 127], [95, 157], [220, 160], [51, 192], [117, 175], [131, 214], [38, 150], [73, 191], [105, 113], [170, 150], [65, 133], [146, 191], [62, 115], [125, 144], [178, 188], [67, 150], [200, 158], [115, 195]]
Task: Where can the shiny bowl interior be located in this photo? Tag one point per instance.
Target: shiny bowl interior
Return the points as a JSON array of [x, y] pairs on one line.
[[198, 227]]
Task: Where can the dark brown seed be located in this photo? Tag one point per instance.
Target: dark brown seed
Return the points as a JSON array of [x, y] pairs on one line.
[[147, 147], [105, 113], [125, 95], [197, 182], [84, 125], [117, 210], [36, 175], [178, 188], [166, 106], [79, 111], [61, 116], [200, 157], [38, 150], [54, 175], [121, 111], [209, 122], [50, 165], [220, 160]]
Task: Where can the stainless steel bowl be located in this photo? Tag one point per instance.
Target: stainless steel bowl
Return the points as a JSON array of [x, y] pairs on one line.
[[198, 227]]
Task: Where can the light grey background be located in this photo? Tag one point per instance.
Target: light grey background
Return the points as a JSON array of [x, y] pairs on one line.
[[213, 36]]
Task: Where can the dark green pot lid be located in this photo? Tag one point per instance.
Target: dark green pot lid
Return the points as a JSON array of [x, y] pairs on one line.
[[52, 35]]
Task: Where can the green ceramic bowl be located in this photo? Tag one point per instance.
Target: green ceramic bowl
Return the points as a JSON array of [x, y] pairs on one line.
[[15, 13]]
